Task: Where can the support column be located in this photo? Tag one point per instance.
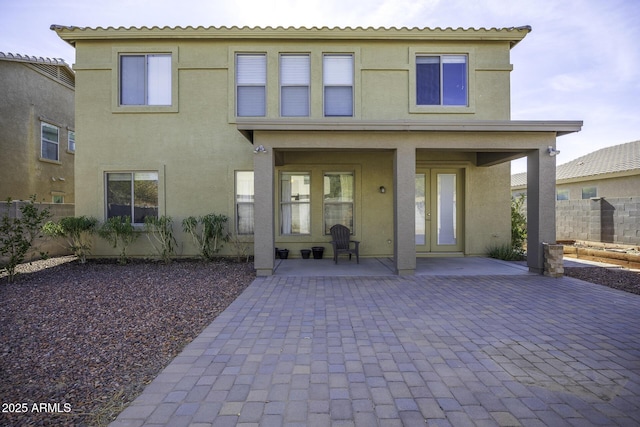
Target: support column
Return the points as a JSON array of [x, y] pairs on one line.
[[404, 246], [541, 206], [264, 232]]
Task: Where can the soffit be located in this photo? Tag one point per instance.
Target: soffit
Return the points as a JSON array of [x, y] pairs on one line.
[[247, 127]]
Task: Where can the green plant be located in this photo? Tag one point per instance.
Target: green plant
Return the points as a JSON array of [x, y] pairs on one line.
[[17, 235], [77, 231], [119, 232], [208, 233], [515, 250], [505, 253], [518, 223], [160, 234]]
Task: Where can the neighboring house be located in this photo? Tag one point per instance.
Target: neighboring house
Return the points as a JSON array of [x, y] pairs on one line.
[[597, 195], [37, 129], [610, 172], [402, 135]]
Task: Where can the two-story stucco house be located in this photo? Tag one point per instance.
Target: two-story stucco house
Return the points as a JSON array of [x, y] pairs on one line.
[[37, 128], [402, 135]]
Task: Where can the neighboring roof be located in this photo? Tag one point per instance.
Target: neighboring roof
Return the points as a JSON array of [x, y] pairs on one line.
[[615, 159], [512, 34], [54, 67]]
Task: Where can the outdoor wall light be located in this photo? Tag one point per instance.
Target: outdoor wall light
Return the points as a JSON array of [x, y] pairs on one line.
[[260, 149], [552, 151], [382, 189]]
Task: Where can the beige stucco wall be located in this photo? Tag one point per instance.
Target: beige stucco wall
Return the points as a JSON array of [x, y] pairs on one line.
[[617, 186], [196, 147], [30, 97]]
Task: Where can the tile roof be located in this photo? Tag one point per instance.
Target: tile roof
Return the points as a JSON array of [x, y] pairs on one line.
[[512, 34], [618, 158], [32, 59]]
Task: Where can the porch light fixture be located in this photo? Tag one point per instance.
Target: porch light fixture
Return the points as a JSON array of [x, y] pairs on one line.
[[552, 151], [382, 189], [259, 149]]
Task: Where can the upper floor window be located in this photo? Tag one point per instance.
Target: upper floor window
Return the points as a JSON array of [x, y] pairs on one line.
[[244, 202], [337, 80], [132, 194], [50, 140], [145, 79], [251, 85], [71, 141], [441, 80], [295, 71]]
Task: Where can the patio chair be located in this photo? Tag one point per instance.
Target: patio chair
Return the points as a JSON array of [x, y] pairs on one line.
[[342, 243]]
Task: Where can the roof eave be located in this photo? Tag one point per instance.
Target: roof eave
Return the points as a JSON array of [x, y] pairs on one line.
[[71, 34]]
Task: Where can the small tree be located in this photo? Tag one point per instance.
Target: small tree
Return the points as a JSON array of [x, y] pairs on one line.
[[208, 233], [160, 234], [77, 231], [119, 232], [241, 247], [17, 235]]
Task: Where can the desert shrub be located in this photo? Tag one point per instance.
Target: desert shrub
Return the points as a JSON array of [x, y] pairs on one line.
[[160, 234], [77, 232], [119, 232], [208, 233]]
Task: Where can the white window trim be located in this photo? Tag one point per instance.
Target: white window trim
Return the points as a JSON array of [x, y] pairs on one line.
[[44, 123], [118, 51], [283, 85], [352, 85], [236, 86], [71, 149], [238, 203], [132, 171]]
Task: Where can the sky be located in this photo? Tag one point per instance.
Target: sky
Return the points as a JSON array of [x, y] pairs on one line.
[[580, 62]]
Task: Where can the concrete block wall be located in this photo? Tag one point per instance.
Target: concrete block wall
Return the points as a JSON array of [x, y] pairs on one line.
[[607, 220]]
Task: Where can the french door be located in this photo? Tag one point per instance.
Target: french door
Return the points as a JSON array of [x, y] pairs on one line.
[[439, 210]]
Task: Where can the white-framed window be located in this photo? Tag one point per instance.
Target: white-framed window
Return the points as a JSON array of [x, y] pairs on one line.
[[295, 203], [244, 202], [71, 141], [57, 198], [49, 141], [442, 80], [337, 81], [295, 76], [589, 192], [132, 194], [251, 84], [338, 200], [562, 194], [145, 79]]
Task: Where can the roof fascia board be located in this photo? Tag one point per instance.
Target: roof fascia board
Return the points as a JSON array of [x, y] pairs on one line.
[[71, 34], [559, 127]]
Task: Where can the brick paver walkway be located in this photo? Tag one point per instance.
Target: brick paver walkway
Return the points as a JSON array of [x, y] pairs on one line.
[[393, 351]]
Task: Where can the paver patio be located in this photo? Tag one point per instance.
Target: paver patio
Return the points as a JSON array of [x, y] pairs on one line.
[[498, 350]]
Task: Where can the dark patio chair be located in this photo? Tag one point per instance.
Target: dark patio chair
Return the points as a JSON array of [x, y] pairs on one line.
[[342, 243]]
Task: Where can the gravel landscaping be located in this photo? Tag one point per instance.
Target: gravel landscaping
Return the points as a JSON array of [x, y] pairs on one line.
[[92, 336], [82, 341]]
